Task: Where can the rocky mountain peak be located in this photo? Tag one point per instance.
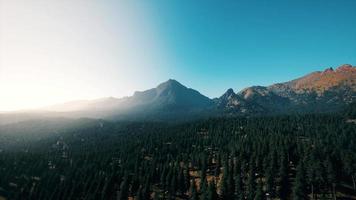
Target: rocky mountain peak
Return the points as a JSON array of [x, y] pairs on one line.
[[171, 83], [330, 69], [228, 94], [345, 67]]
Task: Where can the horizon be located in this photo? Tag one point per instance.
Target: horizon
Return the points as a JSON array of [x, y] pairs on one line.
[[58, 51], [170, 79]]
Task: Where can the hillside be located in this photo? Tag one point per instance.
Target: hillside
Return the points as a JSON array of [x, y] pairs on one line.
[[326, 91]]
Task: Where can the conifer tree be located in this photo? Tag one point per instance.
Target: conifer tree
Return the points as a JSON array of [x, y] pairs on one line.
[[212, 194], [299, 189], [284, 179], [239, 191], [259, 193], [193, 191], [251, 184], [124, 189]]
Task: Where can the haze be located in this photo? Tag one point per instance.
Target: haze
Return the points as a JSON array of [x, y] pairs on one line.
[[56, 51]]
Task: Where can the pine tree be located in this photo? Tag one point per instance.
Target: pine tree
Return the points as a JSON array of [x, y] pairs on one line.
[[260, 194], [270, 175], [181, 181], [284, 179], [139, 194], [186, 178], [251, 184], [156, 196], [349, 161], [203, 187], [331, 176], [203, 182], [212, 195], [124, 189], [173, 185], [224, 188], [299, 189], [193, 191], [239, 191]]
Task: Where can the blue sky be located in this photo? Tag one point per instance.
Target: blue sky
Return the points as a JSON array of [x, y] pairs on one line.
[[220, 44], [54, 51]]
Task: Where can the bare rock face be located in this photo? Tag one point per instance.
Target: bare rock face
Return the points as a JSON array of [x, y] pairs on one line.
[[345, 68], [232, 103], [316, 92], [320, 82]]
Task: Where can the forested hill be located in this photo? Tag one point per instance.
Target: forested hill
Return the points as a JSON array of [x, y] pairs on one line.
[[284, 157]]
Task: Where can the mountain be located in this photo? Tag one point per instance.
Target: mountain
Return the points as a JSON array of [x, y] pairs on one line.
[[168, 101], [322, 91], [329, 90], [173, 96], [326, 91], [80, 105], [234, 104]]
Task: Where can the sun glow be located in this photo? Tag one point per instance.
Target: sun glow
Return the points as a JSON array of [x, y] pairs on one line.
[[55, 51]]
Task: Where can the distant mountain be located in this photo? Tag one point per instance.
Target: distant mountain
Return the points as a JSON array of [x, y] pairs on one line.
[[171, 95], [168, 101], [326, 91], [322, 91], [80, 105]]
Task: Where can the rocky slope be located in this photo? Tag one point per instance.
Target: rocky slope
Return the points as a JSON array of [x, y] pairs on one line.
[[325, 91]]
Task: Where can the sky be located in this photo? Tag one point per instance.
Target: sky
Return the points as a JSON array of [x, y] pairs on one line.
[[54, 51]]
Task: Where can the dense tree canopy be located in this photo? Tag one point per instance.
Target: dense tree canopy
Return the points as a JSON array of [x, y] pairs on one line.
[[284, 157]]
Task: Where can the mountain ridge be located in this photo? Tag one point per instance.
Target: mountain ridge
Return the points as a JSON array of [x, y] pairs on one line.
[[320, 91]]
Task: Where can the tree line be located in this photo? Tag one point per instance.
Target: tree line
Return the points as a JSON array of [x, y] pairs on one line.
[[281, 157]]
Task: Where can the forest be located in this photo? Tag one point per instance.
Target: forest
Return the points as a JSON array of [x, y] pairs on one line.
[[277, 157]]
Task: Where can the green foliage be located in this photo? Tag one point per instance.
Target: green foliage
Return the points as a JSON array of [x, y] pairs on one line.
[[193, 191], [212, 194], [260, 194], [299, 189], [350, 111], [293, 155]]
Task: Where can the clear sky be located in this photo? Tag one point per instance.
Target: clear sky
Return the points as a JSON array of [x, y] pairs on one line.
[[53, 51]]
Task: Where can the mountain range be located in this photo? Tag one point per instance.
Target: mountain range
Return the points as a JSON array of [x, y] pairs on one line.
[[322, 91]]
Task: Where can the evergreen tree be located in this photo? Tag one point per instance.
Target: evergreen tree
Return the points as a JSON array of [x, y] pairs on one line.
[[181, 181], [173, 186], [284, 179], [203, 182], [299, 189], [124, 189], [187, 179], [331, 176], [239, 191], [139, 194], [212, 194], [224, 188], [251, 184], [260, 194], [270, 174], [203, 187], [193, 191]]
